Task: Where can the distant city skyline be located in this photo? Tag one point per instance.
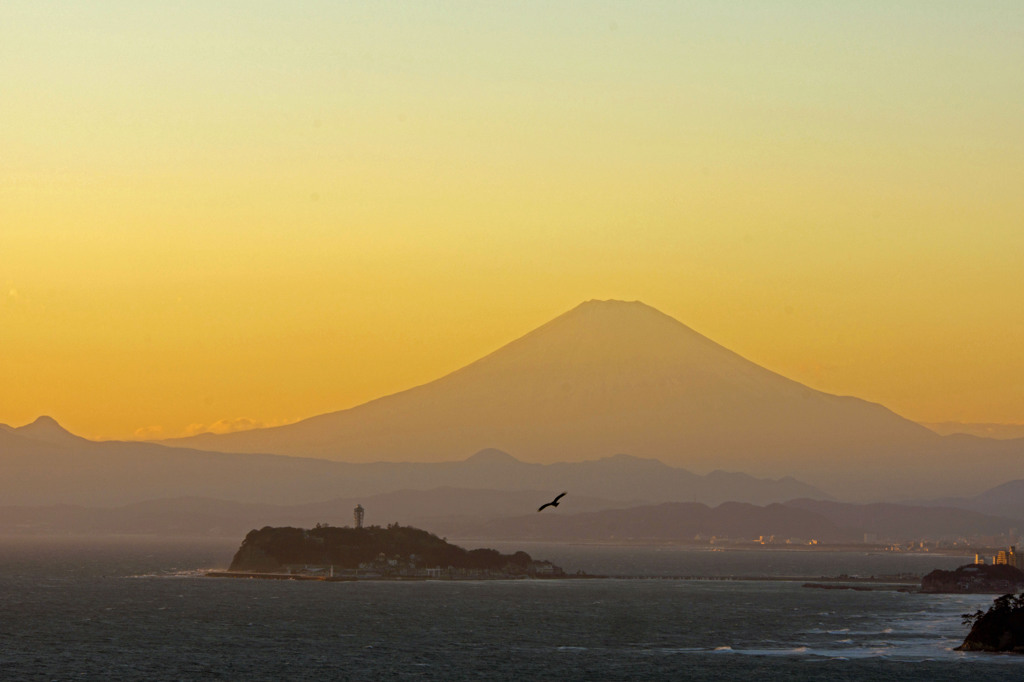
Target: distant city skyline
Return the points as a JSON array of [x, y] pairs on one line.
[[235, 215]]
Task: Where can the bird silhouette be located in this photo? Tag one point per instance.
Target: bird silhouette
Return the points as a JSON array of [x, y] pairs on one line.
[[552, 503]]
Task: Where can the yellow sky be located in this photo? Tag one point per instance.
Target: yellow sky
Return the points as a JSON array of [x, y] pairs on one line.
[[265, 211]]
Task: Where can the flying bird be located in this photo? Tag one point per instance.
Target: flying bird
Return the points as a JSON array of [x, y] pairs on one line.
[[552, 503]]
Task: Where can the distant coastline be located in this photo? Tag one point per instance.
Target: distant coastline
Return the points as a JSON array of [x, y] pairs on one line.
[[889, 582], [744, 546], [351, 578]]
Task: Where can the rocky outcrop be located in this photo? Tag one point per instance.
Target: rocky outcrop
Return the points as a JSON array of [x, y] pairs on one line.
[[1000, 629]]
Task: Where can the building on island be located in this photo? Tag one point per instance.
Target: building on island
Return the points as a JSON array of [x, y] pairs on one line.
[[1005, 557], [1008, 557], [358, 514]]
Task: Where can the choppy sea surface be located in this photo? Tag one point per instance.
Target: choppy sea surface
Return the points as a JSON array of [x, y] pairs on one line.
[[120, 609]]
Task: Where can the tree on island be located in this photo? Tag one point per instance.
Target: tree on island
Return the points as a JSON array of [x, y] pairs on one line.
[[1001, 628]]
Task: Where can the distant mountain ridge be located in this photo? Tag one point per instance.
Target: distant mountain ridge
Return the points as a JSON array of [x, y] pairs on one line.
[[1000, 431], [52, 481], [501, 514], [800, 520], [46, 465], [447, 511], [1006, 499], [613, 377]]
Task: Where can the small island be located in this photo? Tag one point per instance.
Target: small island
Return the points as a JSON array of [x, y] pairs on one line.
[[999, 630], [392, 553], [974, 579]]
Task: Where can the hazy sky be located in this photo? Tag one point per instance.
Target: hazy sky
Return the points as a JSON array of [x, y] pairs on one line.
[[265, 211]]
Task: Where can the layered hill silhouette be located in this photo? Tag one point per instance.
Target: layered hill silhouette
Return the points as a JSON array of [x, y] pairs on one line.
[[42, 464], [613, 377], [52, 481], [799, 520], [498, 515], [999, 431], [1003, 500], [446, 511]]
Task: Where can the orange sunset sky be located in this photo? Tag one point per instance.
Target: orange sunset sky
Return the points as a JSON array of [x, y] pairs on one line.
[[242, 213]]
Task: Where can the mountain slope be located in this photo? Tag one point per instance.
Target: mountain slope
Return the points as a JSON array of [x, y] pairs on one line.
[[604, 378], [1003, 500]]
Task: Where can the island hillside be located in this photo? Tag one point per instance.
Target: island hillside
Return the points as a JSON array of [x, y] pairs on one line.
[[394, 550], [974, 578], [1000, 629]]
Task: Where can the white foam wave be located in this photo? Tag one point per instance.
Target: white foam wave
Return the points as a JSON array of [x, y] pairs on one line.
[[193, 573]]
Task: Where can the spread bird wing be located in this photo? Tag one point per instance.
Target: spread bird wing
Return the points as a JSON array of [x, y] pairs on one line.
[[546, 504], [559, 497]]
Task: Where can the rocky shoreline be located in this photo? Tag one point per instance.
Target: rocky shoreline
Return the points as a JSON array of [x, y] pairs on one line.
[[998, 630]]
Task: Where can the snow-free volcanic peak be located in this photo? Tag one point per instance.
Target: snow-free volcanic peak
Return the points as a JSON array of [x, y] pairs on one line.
[[604, 378]]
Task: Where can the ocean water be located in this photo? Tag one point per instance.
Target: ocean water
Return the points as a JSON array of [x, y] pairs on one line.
[[127, 609]]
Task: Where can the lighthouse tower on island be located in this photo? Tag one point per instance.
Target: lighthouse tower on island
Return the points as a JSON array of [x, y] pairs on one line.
[[358, 515]]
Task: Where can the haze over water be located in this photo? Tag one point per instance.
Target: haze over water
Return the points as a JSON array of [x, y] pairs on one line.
[[124, 610]]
